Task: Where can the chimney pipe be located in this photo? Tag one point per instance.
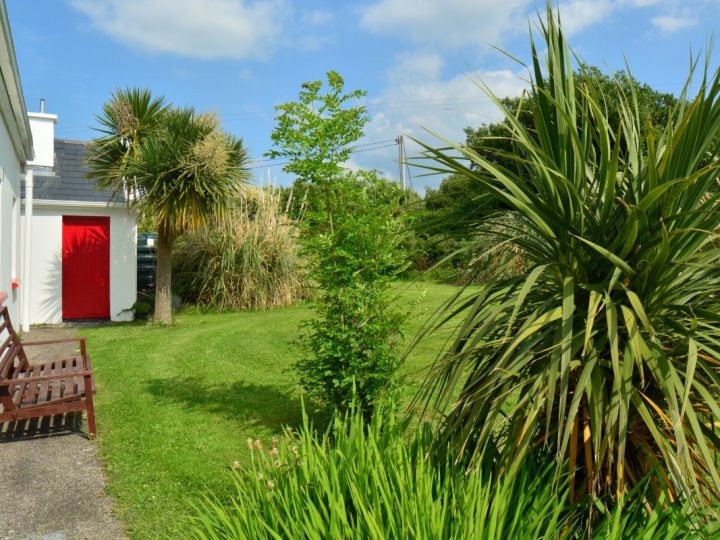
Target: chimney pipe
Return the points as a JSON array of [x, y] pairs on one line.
[[42, 106]]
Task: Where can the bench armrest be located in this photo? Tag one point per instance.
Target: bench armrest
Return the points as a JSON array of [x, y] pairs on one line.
[[80, 340], [38, 378]]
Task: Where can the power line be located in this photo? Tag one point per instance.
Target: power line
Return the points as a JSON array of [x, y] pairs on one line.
[[259, 161], [274, 163], [371, 149], [435, 102], [376, 142]]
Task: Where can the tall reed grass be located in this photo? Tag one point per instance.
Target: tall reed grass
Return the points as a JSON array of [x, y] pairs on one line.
[[246, 259]]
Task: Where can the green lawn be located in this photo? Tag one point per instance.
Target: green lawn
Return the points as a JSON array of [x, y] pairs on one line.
[[176, 405]]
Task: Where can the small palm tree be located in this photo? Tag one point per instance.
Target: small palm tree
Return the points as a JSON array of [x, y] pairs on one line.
[[606, 349], [173, 164]]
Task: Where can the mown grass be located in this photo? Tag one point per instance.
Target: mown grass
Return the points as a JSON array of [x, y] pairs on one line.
[[176, 405]]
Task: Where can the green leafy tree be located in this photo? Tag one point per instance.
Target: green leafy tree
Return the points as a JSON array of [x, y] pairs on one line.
[[494, 140], [315, 134], [606, 346], [351, 240], [354, 334], [175, 166]]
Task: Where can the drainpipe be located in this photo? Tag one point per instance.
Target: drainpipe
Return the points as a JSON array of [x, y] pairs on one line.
[[27, 251]]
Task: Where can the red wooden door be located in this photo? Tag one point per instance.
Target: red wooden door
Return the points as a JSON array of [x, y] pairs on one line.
[[86, 267]]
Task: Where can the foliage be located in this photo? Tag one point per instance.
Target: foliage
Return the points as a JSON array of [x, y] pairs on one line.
[[364, 481], [608, 339], [304, 202], [447, 225], [142, 308], [173, 164], [494, 141], [353, 338], [633, 517], [246, 259], [351, 242], [315, 135], [375, 481]]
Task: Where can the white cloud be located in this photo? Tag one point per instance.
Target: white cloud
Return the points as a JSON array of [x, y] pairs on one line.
[[641, 3], [416, 66], [576, 15], [460, 23], [444, 107], [236, 29], [449, 23], [673, 23], [423, 108]]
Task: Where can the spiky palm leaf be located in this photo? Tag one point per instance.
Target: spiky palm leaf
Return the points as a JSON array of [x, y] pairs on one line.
[[128, 118], [610, 341]]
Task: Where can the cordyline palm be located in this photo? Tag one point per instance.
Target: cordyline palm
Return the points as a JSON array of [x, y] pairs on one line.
[[174, 164], [606, 349]]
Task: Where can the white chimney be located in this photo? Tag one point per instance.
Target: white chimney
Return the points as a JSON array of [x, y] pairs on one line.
[[42, 126]]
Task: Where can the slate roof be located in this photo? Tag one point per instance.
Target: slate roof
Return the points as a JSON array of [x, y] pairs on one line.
[[68, 181]]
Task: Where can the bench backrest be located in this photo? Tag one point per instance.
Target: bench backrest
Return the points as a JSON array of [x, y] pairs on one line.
[[12, 354]]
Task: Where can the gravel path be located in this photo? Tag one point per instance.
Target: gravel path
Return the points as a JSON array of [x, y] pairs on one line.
[[51, 478]]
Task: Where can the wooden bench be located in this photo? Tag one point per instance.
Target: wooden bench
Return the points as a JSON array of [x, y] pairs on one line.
[[47, 389]]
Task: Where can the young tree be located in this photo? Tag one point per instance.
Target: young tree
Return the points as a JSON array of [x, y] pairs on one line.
[[353, 336], [315, 134], [352, 241], [176, 167]]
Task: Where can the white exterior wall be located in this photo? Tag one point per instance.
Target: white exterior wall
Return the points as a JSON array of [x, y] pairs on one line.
[[42, 127], [46, 257], [10, 174]]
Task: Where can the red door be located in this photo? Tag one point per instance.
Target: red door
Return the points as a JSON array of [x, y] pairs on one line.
[[86, 267]]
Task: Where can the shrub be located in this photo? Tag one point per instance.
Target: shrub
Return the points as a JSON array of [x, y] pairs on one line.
[[608, 338], [364, 481], [352, 238], [373, 481], [246, 259], [353, 338]]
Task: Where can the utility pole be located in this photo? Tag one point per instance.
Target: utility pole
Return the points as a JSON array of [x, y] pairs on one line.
[[401, 160]]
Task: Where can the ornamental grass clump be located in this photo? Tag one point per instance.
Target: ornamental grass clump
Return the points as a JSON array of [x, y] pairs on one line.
[[379, 481], [247, 258], [605, 349], [361, 480]]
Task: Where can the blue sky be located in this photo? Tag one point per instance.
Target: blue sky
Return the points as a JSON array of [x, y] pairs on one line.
[[241, 58]]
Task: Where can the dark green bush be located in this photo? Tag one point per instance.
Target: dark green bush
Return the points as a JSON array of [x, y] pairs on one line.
[[352, 339]]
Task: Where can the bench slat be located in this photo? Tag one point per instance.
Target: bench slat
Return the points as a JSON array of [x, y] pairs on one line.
[[30, 394]]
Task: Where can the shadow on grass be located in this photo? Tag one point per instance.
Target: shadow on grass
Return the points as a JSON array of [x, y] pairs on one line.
[[267, 405]]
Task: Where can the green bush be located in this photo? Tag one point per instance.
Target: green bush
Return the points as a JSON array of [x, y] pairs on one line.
[[352, 339], [371, 481], [351, 236], [246, 259]]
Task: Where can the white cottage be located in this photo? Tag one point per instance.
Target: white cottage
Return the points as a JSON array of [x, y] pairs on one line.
[[67, 250], [82, 260]]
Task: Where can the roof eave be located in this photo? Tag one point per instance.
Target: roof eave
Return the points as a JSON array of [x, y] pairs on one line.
[[12, 100]]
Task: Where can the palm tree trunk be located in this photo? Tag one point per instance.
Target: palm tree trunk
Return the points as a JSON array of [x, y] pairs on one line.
[[163, 278]]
